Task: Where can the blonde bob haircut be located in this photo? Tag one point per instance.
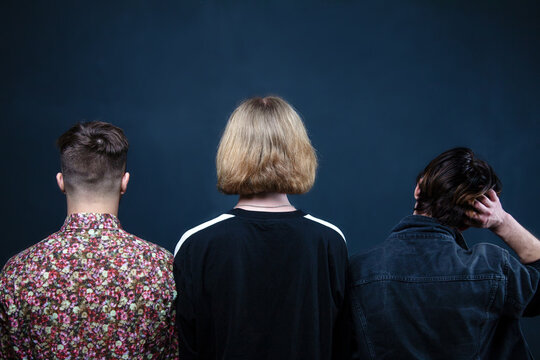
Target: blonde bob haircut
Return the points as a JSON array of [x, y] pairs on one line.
[[265, 148]]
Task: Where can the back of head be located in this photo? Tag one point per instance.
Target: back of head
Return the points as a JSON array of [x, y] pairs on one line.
[[93, 157], [265, 148], [450, 184]]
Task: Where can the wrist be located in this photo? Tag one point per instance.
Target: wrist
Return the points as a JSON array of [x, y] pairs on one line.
[[501, 227]]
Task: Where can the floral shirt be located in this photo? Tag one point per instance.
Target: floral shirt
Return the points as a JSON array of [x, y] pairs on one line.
[[89, 291]]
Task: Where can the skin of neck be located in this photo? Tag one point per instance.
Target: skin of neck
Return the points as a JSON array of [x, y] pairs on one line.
[[265, 199], [84, 201], [419, 213], [92, 203]]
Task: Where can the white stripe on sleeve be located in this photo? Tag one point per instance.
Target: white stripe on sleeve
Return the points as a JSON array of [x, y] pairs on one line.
[[204, 225], [326, 223]]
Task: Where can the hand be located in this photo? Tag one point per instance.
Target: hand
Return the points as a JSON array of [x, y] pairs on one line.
[[488, 211]]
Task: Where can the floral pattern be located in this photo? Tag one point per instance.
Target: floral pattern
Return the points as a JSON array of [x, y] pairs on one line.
[[89, 291]]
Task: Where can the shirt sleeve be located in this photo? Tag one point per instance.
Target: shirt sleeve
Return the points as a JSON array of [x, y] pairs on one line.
[[522, 288], [7, 348], [533, 307], [342, 342], [172, 350], [185, 311]]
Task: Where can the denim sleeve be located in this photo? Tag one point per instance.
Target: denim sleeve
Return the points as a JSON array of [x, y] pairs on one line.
[[533, 308], [185, 311], [522, 288]]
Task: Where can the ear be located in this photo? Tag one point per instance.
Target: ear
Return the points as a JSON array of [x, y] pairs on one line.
[[124, 183], [60, 182], [417, 191], [417, 188]]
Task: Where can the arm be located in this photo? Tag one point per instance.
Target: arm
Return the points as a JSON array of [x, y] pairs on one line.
[[5, 347], [6, 340], [490, 214], [185, 312], [523, 297], [172, 351], [341, 338]]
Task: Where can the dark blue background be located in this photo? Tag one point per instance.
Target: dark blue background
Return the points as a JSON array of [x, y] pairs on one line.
[[383, 86]]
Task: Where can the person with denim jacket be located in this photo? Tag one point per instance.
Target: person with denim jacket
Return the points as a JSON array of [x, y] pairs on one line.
[[424, 294]]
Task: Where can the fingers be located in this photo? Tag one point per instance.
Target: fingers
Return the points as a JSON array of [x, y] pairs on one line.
[[484, 200], [491, 195], [476, 218], [481, 205], [489, 198], [486, 210], [482, 211]]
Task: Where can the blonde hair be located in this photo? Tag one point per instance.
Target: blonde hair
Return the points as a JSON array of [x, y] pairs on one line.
[[265, 148]]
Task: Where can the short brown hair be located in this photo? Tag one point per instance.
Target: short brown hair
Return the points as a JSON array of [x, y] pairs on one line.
[[265, 148], [450, 184], [93, 156]]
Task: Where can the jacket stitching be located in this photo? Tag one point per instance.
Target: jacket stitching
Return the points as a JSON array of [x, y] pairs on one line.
[[429, 278], [363, 322]]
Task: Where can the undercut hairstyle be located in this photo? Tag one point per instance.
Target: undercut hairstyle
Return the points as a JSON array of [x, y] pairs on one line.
[[451, 183], [93, 157], [265, 148]]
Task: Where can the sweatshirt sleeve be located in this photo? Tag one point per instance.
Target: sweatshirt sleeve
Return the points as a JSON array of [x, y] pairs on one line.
[[185, 310], [341, 342]]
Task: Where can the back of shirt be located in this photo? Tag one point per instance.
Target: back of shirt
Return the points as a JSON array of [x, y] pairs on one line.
[[260, 285], [89, 291], [423, 294]]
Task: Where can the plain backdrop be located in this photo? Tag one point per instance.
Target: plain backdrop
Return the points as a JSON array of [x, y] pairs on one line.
[[383, 87]]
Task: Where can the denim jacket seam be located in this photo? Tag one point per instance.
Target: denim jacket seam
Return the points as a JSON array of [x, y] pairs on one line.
[[492, 296], [421, 236], [363, 323], [508, 299], [445, 278]]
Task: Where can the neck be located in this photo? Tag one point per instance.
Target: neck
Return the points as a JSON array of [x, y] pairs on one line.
[[92, 204], [269, 202], [461, 229], [417, 212]]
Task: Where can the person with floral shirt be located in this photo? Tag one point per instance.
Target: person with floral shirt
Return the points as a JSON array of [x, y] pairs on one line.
[[91, 290]]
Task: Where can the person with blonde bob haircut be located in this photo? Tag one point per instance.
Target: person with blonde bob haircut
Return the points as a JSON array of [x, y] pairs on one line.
[[263, 280]]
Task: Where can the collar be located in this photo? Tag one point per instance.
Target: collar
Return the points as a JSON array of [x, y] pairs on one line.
[[91, 221], [419, 226], [267, 214]]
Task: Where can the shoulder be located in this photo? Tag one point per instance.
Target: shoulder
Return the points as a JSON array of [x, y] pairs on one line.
[[361, 257], [149, 247], [367, 261], [36, 254], [211, 226], [488, 249], [23, 267], [496, 256], [324, 226], [489, 253]]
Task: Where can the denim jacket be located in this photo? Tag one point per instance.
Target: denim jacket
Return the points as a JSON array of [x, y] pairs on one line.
[[423, 294]]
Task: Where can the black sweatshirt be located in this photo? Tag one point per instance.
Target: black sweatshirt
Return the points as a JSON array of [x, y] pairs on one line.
[[261, 285]]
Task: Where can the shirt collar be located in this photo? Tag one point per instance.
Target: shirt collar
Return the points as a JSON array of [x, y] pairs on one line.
[[418, 224], [91, 221]]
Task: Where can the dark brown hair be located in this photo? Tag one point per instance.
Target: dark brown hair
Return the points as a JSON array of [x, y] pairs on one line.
[[450, 184], [93, 156]]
